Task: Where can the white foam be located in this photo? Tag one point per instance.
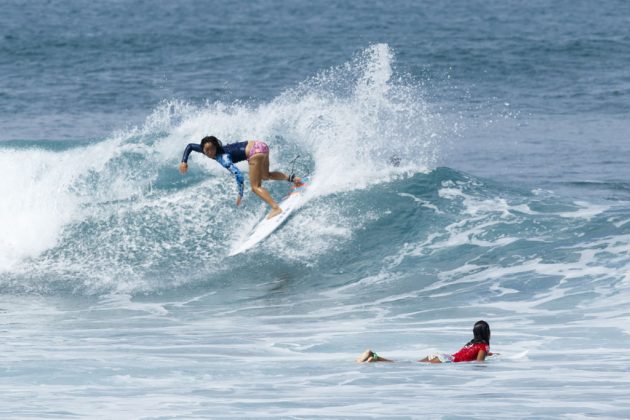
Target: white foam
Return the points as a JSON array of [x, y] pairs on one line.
[[355, 125], [422, 203], [350, 136], [38, 199]]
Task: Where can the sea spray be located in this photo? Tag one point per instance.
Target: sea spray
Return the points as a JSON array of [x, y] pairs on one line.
[[117, 216]]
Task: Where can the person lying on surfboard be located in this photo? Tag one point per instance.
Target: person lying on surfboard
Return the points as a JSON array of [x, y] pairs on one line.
[[475, 350], [257, 155]]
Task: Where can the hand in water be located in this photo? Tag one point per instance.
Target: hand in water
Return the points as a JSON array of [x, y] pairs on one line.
[[183, 167], [238, 201]]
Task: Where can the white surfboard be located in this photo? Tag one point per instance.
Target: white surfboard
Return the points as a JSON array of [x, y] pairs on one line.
[[265, 227]]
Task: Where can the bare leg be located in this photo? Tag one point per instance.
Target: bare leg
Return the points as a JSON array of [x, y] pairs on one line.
[[276, 176], [364, 356], [371, 357], [430, 360], [257, 171]]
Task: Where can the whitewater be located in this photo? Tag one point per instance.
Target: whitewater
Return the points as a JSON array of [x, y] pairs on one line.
[[118, 298]]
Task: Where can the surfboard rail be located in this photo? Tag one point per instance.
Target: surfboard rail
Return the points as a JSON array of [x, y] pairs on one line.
[[289, 203]]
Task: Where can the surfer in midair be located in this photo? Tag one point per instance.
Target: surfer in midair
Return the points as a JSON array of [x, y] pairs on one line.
[[257, 155]]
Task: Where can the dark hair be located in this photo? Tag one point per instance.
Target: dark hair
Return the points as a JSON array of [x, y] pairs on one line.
[[215, 141], [481, 333]]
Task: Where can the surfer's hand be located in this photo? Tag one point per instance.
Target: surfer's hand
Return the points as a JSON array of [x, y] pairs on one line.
[[183, 167], [238, 201]]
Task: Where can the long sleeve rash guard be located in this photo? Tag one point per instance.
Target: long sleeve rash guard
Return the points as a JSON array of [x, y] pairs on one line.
[[225, 159]]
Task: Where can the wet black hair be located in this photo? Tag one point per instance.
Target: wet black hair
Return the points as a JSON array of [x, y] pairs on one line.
[[215, 141], [481, 333]]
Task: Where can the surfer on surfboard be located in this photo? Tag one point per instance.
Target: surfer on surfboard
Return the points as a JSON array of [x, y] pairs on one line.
[[257, 155]]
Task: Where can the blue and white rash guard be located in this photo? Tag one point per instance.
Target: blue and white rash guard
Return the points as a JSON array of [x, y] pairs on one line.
[[231, 154]]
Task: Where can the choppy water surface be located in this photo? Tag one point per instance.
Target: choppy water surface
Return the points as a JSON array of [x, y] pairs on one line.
[[469, 162]]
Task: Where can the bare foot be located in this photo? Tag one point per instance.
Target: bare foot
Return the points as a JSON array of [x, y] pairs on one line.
[[297, 181], [365, 356], [274, 213]]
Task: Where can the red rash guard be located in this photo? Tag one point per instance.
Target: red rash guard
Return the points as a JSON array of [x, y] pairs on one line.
[[469, 352]]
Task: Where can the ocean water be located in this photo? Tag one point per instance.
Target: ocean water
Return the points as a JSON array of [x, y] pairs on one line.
[[469, 161]]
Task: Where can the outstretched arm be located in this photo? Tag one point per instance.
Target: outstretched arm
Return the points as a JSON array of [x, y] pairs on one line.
[[227, 163], [192, 147], [239, 179]]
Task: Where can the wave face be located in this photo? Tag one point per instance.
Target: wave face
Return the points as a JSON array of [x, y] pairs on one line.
[[115, 276], [117, 216]]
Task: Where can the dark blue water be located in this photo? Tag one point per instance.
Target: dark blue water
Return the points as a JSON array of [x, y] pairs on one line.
[[509, 201], [93, 65]]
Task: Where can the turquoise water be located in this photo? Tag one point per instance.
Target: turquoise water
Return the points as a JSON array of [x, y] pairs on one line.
[[469, 162]]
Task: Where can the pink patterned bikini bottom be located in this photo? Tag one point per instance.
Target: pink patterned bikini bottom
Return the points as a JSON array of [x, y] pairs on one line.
[[258, 147]]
